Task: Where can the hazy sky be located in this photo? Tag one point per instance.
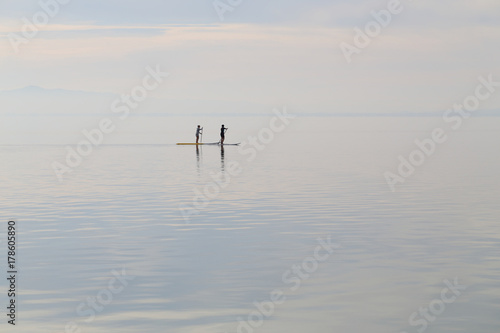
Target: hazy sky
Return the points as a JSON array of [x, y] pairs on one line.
[[263, 54]]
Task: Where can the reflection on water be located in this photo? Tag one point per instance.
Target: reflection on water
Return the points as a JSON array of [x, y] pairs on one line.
[[198, 159], [222, 158], [119, 210]]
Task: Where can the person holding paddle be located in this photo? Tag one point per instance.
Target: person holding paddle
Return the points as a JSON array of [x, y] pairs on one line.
[[199, 132], [222, 134]]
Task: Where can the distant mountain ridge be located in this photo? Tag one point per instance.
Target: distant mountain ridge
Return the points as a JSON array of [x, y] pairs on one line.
[[40, 90], [36, 100]]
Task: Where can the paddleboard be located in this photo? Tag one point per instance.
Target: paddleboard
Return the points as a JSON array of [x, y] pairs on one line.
[[206, 144]]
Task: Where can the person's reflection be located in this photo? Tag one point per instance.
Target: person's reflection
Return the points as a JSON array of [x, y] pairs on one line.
[[198, 159], [222, 158]]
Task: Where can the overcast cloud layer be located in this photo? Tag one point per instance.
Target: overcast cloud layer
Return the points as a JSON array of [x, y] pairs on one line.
[[264, 54]]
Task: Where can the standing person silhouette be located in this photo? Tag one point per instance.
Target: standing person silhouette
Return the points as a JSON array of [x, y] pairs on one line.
[[222, 134], [199, 131]]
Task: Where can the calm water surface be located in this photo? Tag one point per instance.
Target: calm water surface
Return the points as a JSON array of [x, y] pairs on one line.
[[321, 177]]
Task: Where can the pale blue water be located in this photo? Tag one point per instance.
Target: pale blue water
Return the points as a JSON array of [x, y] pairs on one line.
[[321, 177]]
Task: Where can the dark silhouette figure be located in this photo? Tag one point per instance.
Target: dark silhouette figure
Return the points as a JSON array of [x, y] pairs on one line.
[[222, 134], [199, 132]]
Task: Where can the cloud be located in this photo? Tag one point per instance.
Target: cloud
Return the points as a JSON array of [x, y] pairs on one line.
[[428, 56], [327, 13]]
